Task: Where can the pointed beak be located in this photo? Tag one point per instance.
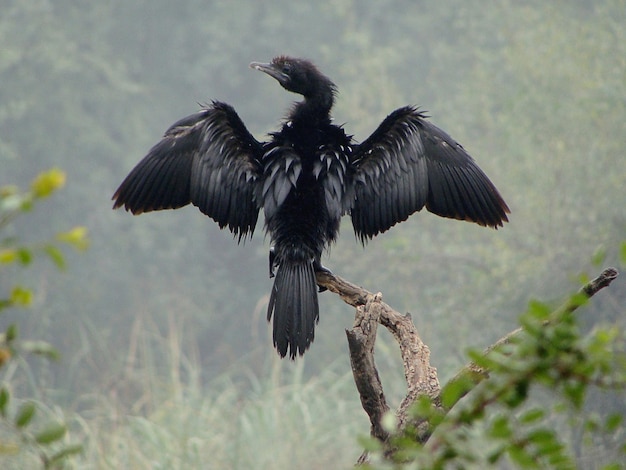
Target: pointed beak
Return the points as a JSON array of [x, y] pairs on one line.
[[271, 70]]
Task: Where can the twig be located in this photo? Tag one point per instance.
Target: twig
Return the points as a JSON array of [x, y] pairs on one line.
[[475, 374]]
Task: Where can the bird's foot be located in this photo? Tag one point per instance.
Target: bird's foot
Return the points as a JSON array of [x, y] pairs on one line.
[[319, 268]]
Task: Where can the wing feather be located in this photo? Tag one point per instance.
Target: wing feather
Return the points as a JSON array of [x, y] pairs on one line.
[[332, 171], [208, 159], [407, 164], [282, 169]]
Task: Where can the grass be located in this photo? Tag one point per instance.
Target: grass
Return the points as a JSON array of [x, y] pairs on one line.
[[293, 425], [161, 413]]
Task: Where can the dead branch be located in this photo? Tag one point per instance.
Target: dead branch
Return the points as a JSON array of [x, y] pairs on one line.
[[361, 340], [420, 376]]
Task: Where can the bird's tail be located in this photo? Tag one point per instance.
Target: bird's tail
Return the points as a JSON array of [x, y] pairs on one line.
[[293, 302]]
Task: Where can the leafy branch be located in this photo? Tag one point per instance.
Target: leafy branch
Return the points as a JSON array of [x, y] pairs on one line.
[[43, 439], [436, 426]]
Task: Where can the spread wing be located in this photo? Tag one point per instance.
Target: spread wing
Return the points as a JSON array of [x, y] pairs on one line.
[[208, 159], [408, 163]]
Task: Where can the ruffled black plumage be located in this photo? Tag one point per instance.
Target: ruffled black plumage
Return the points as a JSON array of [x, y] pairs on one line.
[[305, 178]]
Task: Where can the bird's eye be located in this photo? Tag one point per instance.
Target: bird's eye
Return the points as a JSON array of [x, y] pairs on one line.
[[286, 68]]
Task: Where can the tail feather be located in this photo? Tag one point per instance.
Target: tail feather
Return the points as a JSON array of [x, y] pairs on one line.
[[293, 302]]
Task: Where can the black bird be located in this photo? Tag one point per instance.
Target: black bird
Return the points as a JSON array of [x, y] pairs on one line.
[[305, 178]]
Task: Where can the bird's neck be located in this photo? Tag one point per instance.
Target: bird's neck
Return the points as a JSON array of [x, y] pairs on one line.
[[314, 109]]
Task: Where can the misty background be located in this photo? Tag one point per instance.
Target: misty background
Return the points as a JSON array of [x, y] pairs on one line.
[[167, 360]]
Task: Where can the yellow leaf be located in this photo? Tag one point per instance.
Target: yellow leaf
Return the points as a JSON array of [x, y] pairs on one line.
[[47, 182], [7, 256], [77, 237]]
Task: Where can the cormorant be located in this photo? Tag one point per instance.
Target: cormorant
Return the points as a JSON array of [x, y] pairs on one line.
[[305, 178]]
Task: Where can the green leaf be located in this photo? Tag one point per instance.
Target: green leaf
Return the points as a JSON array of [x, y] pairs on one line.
[[454, 390], [52, 432], [540, 435], [520, 456], [11, 332], [495, 455], [560, 460], [579, 299], [500, 428], [65, 452], [531, 416], [592, 423], [539, 310], [481, 359], [369, 443], [55, 255], [4, 401], [507, 363], [25, 414], [21, 296], [613, 422], [550, 446], [24, 255], [575, 392], [26, 203], [517, 394]]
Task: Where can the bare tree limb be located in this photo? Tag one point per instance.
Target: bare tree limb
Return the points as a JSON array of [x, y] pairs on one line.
[[361, 340], [421, 377]]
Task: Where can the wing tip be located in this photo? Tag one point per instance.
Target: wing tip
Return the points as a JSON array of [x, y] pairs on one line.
[[119, 201]]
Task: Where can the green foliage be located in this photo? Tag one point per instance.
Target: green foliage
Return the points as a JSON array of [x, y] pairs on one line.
[[20, 433], [502, 418]]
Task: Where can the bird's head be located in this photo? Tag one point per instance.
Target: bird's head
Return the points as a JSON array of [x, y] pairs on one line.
[[296, 75]]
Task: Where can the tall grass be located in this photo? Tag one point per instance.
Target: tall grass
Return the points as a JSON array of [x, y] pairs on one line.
[[162, 413]]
